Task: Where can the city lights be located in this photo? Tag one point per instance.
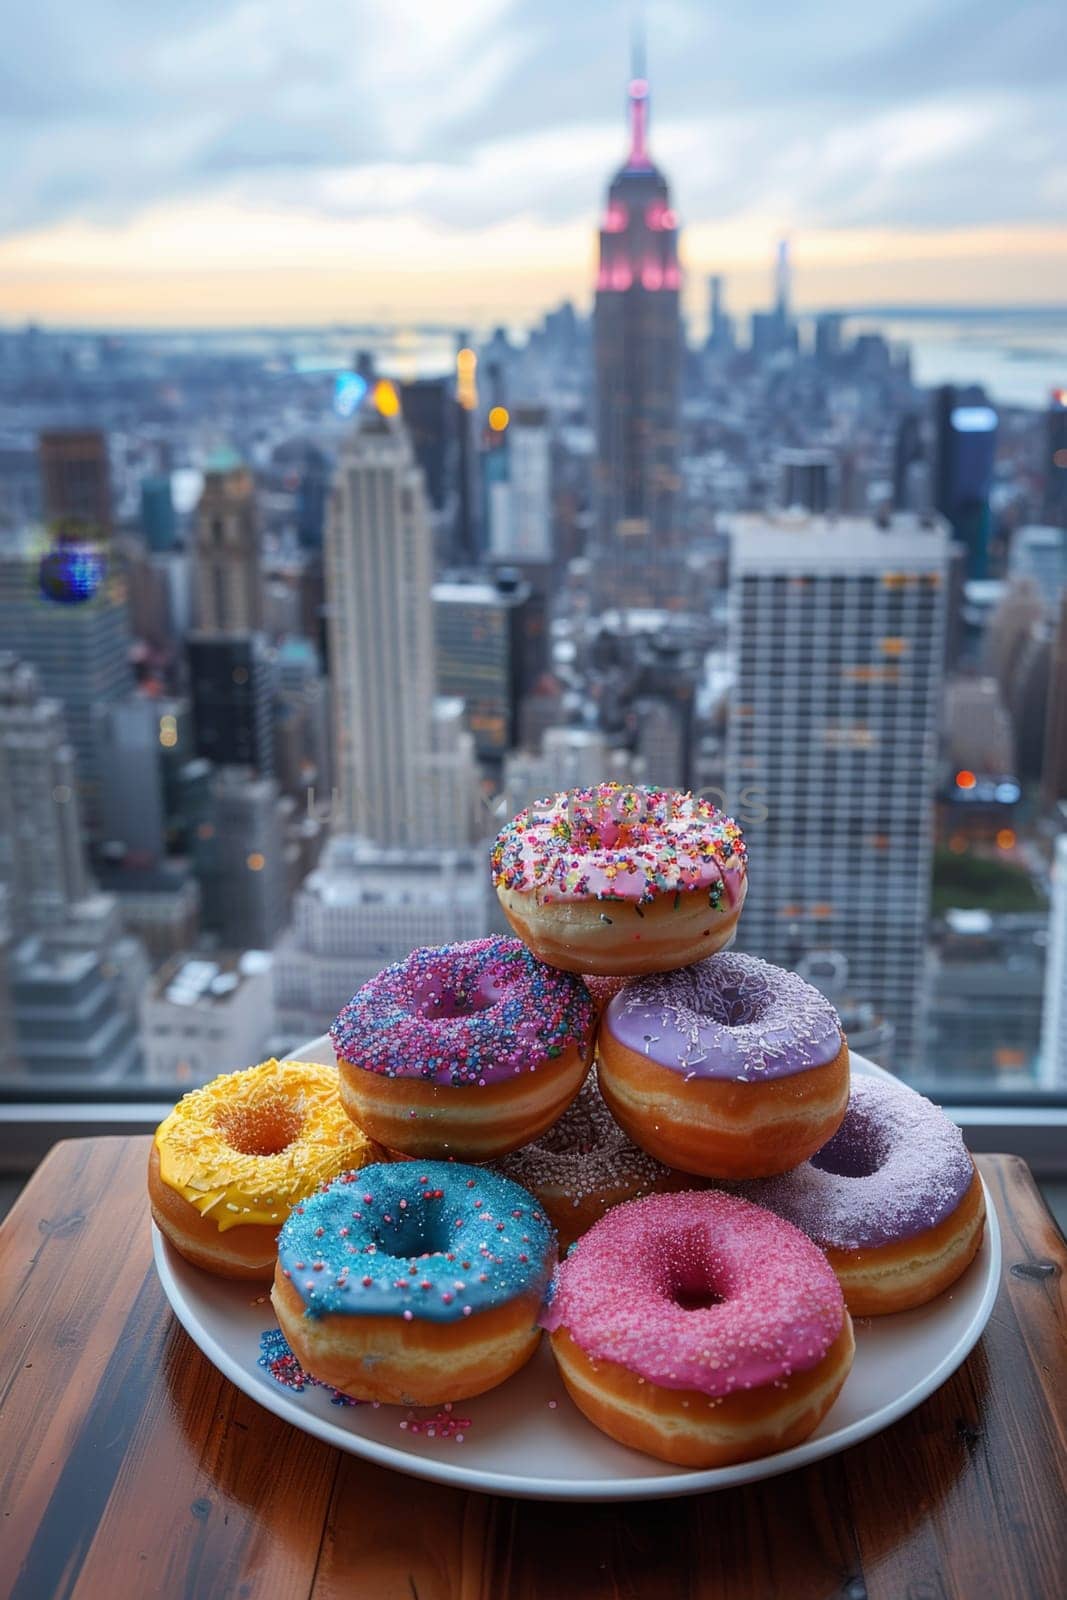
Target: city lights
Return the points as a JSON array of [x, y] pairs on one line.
[[386, 399], [499, 417], [349, 389], [965, 779]]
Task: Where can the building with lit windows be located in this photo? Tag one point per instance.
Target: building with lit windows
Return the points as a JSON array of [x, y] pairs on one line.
[[638, 347], [837, 629], [246, 891]]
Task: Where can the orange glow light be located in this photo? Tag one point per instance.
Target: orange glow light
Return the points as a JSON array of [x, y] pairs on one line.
[[499, 417], [1006, 839], [965, 779], [255, 862], [386, 398]]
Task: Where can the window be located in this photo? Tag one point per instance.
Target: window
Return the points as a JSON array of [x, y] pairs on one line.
[[205, 862]]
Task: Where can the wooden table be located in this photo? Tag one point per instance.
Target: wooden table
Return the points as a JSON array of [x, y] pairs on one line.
[[131, 1468]]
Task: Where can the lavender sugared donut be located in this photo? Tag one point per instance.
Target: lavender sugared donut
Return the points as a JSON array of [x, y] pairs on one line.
[[700, 1329], [464, 1050], [731, 1068], [893, 1199], [621, 880], [584, 1164]]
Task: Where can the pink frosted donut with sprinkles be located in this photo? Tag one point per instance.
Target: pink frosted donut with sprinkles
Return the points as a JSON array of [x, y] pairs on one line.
[[893, 1199], [618, 881], [730, 1068], [584, 1164], [700, 1329], [464, 1050]]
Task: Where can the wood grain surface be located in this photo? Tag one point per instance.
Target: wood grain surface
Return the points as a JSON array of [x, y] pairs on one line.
[[130, 1467]]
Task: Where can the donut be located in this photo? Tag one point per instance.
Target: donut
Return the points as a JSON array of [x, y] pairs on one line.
[[233, 1158], [617, 881], [893, 1199], [731, 1068], [415, 1283], [602, 989], [584, 1164], [464, 1050], [699, 1329]]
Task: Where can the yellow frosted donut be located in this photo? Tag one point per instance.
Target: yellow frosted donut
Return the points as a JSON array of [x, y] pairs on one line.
[[233, 1159]]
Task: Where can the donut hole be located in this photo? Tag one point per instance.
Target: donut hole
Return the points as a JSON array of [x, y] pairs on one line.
[[446, 1000], [690, 1276], [728, 993], [413, 1233], [260, 1130], [856, 1151], [696, 1297]]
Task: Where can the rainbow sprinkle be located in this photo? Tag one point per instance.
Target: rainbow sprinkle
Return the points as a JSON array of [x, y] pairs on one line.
[[620, 842]]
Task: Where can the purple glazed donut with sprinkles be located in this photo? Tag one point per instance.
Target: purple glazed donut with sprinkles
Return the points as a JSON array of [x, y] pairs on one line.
[[729, 1069], [893, 1199], [464, 1051]]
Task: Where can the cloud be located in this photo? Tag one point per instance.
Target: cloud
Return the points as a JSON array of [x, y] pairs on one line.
[[482, 112]]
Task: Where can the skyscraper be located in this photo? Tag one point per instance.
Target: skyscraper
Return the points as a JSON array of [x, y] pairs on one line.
[[638, 343], [831, 761], [1056, 458], [41, 857], [232, 681], [379, 566], [480, 638], [226, 549], [80, 653], [76, 478], [966, 447], [1054, 1020], [245, 895], [520, 496]]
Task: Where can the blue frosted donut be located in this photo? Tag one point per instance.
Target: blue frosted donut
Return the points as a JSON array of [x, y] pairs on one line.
[[414, 1283]]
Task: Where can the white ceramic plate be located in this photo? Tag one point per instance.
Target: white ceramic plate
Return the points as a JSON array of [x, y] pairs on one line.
[[527, 1438]]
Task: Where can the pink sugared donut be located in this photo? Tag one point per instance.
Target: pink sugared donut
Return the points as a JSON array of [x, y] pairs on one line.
[[893, 1199], [463, 1051], [621, 879], [700, 1329]]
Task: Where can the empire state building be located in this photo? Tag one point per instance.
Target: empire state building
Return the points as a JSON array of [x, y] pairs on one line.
[[637, 339]]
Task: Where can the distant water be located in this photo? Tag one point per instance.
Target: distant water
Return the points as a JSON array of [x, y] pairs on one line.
[[1017, 356]]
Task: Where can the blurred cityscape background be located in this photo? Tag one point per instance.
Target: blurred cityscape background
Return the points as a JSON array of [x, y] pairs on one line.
[[293, 619]]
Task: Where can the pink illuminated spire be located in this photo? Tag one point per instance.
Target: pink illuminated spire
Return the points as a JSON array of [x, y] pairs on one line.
[[637, 94]]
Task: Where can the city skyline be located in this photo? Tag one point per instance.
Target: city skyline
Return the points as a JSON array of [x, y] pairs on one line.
[[454, 168]]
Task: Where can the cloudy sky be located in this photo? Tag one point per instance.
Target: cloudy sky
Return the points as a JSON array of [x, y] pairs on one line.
[[222, 161]]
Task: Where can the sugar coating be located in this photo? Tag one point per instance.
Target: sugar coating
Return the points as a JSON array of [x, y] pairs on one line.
[[472, 1013], [731, 1016], [895, 1167], [621, 842], [429, 1241], [234, 1187], [622, 1293], [584, 1154]]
